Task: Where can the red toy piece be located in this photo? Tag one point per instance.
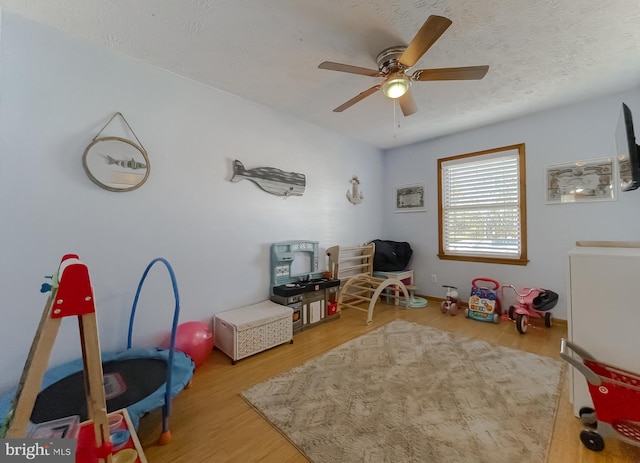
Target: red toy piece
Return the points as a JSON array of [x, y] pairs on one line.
[[75, 294], [615, 395]]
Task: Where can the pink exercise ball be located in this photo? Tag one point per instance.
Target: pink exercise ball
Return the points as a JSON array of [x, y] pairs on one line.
[[194, 339]]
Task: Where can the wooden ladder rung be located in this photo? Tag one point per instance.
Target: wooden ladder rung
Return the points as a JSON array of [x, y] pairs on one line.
[[352, 267], [347, 277], [358, 257], [358, 297], [355, 248], [362, 287], [351, 306], [373, 280]]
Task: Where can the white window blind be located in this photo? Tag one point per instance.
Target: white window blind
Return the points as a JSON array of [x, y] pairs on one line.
[[481, 206]]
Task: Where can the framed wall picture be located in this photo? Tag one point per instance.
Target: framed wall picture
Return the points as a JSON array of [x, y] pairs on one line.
[[410, 198], [116, 164], [580, 181]]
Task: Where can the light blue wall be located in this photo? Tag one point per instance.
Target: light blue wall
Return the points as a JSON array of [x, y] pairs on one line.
[[579, 132], [55, 95]]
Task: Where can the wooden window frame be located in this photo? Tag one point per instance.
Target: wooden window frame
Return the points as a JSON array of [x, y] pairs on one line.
[[522, 259]]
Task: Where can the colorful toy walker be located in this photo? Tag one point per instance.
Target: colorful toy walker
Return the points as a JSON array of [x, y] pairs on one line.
[[484, 303], [616, 398], [532, 303]]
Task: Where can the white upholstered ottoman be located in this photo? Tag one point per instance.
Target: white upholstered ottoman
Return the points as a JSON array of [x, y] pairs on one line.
[[248, 330]]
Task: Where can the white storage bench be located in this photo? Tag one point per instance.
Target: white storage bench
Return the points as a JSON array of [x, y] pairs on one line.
[[248, 330]]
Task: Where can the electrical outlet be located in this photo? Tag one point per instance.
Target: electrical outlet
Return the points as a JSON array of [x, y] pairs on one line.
[[434, 278]]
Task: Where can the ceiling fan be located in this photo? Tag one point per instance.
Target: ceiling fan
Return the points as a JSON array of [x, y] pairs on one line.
[[394, 64]]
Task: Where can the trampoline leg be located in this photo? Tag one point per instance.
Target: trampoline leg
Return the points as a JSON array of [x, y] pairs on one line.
[[165, 435], [165, 438]]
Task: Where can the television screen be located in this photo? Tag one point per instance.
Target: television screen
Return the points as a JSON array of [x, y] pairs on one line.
[[628, 152]]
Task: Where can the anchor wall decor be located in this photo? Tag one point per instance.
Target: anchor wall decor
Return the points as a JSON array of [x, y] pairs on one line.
[[355, 196]]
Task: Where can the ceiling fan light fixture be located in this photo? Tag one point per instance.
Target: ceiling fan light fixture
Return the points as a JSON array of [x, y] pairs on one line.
[[396, 86], [395, 68]]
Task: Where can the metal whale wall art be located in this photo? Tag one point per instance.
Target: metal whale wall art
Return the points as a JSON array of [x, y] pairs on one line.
[[274, 181]]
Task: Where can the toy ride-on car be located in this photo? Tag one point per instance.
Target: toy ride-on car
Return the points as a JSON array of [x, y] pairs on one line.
[[532, 303]]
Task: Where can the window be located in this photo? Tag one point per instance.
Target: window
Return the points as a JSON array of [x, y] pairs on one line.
[[482, 211]]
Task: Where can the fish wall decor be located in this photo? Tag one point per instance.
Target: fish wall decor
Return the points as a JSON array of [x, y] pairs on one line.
[[128, 163], [274, 181]]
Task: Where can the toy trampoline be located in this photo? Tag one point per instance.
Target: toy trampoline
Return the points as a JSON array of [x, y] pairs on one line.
[[138, 379]]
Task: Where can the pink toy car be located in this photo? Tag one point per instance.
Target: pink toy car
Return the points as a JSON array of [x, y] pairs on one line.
[[532, 303]]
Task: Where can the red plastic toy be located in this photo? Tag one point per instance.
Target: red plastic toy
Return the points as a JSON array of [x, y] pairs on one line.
[[616, 398]]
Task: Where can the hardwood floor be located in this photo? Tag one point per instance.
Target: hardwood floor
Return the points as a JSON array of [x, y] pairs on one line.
[[210, 422]]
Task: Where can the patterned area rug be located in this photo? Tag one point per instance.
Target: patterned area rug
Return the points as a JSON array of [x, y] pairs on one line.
[[411, 393]]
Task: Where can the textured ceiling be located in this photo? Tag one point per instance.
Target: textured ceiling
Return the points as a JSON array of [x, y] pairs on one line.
[[541, 53]]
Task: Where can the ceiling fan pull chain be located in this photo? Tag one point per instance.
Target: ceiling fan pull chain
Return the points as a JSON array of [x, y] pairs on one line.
[[396, 123]]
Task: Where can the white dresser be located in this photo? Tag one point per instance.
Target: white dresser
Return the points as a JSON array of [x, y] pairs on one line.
[[603, 311]]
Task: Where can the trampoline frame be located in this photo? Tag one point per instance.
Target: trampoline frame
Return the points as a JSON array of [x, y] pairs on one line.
[[166, 409]]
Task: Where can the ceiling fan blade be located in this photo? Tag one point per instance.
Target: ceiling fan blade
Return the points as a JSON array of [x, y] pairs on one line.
[[355, 99], [331, 66], [407, 104], [430, 31], [463, 73]]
